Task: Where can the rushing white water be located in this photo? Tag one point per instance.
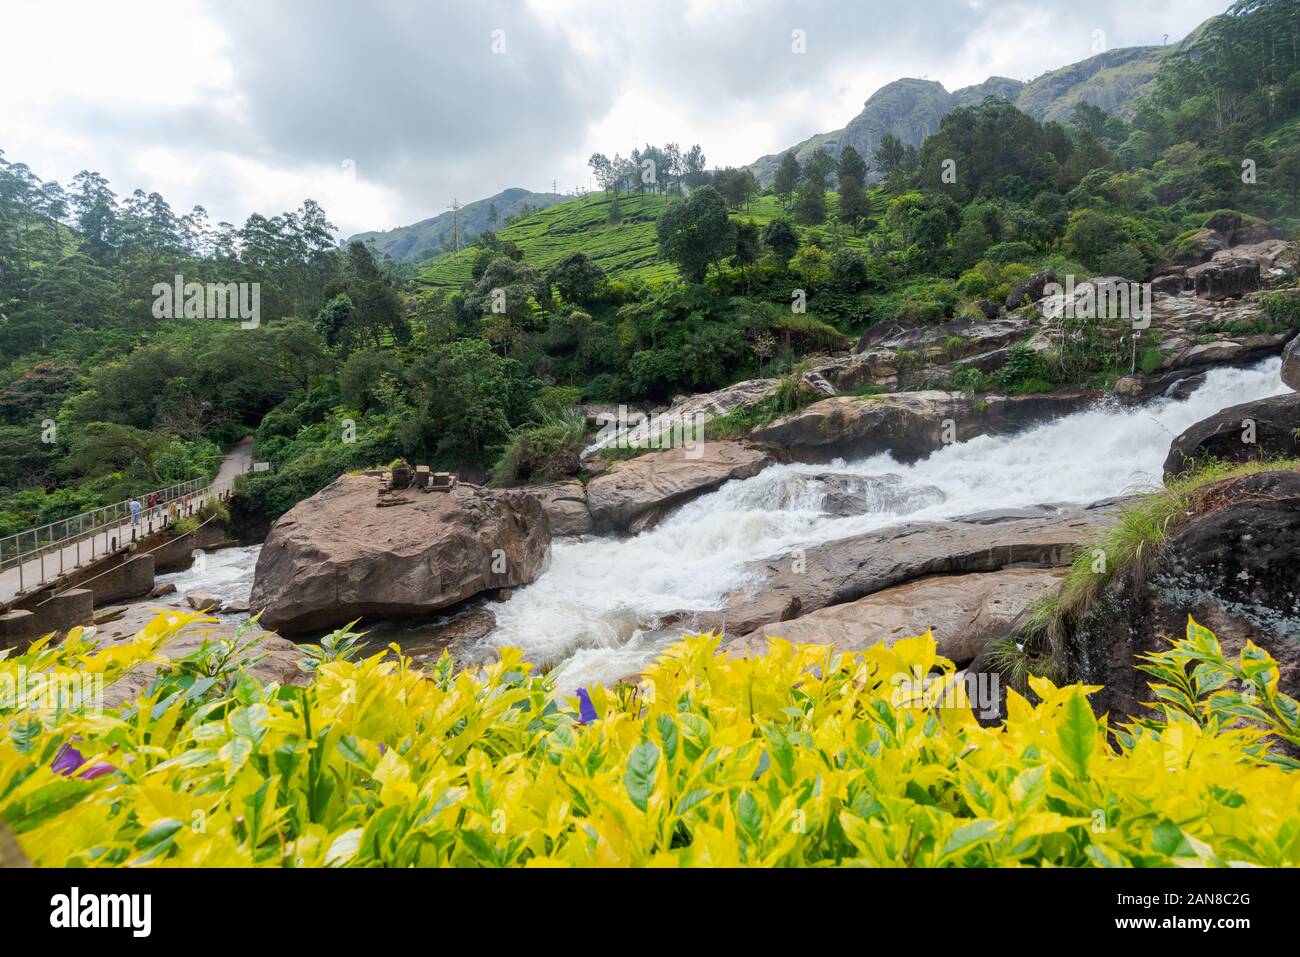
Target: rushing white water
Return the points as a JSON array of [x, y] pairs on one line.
[[584, 614], [226, 573], [584, 611]]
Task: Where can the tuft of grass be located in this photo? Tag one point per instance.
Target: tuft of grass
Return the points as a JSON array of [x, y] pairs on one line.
[[1132, 543]]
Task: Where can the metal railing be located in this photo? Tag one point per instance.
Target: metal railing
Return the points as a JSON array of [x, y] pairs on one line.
[[43, 542]]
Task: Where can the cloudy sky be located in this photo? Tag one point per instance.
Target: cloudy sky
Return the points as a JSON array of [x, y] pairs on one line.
[[384, 110]]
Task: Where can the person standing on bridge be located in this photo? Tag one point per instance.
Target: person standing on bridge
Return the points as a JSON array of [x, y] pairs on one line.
[[134, 506]]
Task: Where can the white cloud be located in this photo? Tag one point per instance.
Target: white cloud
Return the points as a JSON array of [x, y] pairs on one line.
[[243, 106]]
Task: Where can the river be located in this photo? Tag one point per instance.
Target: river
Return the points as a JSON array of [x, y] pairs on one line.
[[583, 614]]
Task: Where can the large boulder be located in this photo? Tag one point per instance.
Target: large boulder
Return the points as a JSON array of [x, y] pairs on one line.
[[1031, 290], [1230, 277], [1231, 565], [1264, 428], [1291, 364], [975, 335], [908, 425], [874, 367], [963, 612], [342, 555], [636, 493], [1198, 247], [784, 587]]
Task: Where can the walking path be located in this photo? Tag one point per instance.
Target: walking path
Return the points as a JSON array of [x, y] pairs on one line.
[[93, 547]]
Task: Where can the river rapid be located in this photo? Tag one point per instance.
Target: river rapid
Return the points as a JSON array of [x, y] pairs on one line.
[[592, 614]]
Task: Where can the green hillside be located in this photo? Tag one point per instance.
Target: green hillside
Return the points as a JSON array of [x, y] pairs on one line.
[[626, 250]]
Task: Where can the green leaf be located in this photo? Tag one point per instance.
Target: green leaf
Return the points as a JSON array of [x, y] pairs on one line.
[[639, 778], [669, 735], [979, 831], [1029, 787], [1077, 733]]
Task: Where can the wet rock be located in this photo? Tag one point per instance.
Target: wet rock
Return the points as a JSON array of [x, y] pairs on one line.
[[908, 425], [1231, 566], [104, 615], [565, 504], [963, 612], [235, 607], [1265, 428], [851, 568], [202, 601], [162, 589], [1291, 364], [1227, 278], [856, 494], [336, 556], [635, 494]]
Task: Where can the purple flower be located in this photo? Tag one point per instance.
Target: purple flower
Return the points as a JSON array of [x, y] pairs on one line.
[[69, 759], [586, 710]]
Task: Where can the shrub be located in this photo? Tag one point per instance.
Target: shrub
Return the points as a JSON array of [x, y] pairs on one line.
[[1126, 261], [542, 452], [1010, 252], [802, 756]]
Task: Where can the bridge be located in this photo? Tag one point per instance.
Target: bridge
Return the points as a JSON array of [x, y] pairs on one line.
[[36, 559]]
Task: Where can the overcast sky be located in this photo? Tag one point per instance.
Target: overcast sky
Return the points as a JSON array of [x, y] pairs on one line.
[[384, 110]]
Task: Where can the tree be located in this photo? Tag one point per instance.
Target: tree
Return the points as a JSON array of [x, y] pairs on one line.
[[786, 178], [505, 298], [1286, 169], [890, 155], [492, 215], [577, 278], [854, 206], [468, 398], [747, 249], [604, 171], [1093, 233], [696, 233], [694, 164], [810, 203], [737, 186], [780, 237]]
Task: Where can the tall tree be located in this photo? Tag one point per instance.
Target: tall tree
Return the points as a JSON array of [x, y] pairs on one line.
[[786, 178], [695, 233], [854, 206]]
